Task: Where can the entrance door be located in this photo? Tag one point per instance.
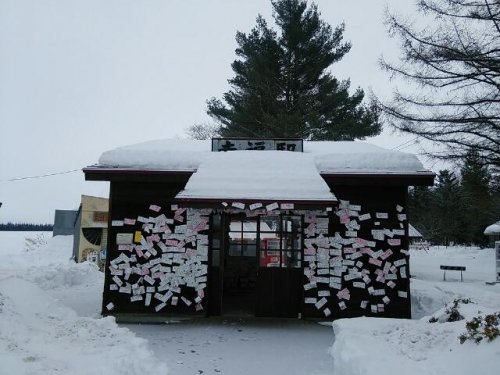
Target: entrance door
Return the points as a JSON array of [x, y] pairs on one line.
[[279, 283], [240, 266]]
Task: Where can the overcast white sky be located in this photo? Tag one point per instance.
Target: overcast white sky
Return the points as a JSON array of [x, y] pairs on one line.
[[79, 77]]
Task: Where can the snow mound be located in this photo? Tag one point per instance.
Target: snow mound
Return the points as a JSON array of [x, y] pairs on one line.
[[408, 347], [391, 346], [38, 335], [60, 276], [427, 298], [56, 250]]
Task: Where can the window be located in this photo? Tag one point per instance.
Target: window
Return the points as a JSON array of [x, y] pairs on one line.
[[281, 241], [243, 238]]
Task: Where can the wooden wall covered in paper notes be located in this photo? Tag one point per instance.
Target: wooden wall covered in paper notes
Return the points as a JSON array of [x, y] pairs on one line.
[[368, 268], [158, 258]]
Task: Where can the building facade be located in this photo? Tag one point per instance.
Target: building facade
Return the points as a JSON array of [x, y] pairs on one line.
[[91, 231], [304, 229]]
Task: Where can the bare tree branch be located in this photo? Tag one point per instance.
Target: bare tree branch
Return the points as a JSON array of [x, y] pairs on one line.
[[455, 65]]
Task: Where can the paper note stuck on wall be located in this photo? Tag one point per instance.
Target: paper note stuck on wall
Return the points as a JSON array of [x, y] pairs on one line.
[[124, 238]]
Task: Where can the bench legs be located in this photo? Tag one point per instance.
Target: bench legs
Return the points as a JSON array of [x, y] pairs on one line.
[[461, 276]]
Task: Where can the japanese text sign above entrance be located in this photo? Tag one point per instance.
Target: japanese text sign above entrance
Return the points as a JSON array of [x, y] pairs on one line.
[[238, 144]]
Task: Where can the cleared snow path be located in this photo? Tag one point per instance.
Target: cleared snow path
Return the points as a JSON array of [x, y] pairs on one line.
[[241, 346]]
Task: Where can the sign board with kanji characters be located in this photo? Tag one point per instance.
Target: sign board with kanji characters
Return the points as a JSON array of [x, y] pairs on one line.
[[239, 144]]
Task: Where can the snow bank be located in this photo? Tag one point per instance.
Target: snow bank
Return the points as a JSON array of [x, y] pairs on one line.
[[390, 346], [49, 266], [49, 315], [14, 251], [330, 157], [63, 276], [38, 335]]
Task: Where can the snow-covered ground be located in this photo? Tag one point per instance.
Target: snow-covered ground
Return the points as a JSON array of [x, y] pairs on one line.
[[49, 321], [50, 324], [389, 346], [242, 346]]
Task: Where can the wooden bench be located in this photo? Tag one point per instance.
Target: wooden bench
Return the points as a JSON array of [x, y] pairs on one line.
[[453, 268]]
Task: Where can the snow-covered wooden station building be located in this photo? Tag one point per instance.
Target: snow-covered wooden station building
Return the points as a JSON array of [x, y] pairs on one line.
[[275, 227]]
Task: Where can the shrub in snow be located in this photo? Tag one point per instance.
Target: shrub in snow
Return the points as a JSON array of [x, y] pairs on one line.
[[480, 328], [34, 242], [451, 313]]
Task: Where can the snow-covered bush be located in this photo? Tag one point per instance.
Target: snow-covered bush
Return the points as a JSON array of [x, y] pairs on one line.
[[480, 328], [451, 312]]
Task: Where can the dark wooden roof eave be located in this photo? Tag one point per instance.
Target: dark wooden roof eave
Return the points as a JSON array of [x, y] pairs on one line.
[[423, 178], [94, 173], [299, 204]]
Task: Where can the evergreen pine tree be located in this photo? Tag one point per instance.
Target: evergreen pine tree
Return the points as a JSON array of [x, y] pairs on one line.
[[495, 196], [447, 209], [282, 86], [479, 206], [420, 209]]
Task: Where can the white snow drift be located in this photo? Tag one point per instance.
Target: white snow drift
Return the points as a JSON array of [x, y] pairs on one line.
[[41, 334], [365, 346]]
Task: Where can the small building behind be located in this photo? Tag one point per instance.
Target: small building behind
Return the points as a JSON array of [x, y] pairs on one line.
[[64, 222], [493, 233], [91, 230], [417, 241]]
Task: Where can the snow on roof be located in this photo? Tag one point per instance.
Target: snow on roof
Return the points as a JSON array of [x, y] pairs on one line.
[[257, 175], [492, 229], [167, 154], [328, 157]]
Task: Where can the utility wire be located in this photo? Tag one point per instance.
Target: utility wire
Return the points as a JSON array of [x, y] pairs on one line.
[[41, 176], [409, 145], [411, 141]]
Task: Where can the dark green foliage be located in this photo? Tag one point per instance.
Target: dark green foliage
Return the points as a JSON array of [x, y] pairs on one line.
[[282, 86], [478, 199], [422, 217], [25, 227], [495, 195], [448, 204], [480, 328], [457, 210]]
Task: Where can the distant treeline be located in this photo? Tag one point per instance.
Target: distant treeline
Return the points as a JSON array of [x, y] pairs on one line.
[[21, 227]]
